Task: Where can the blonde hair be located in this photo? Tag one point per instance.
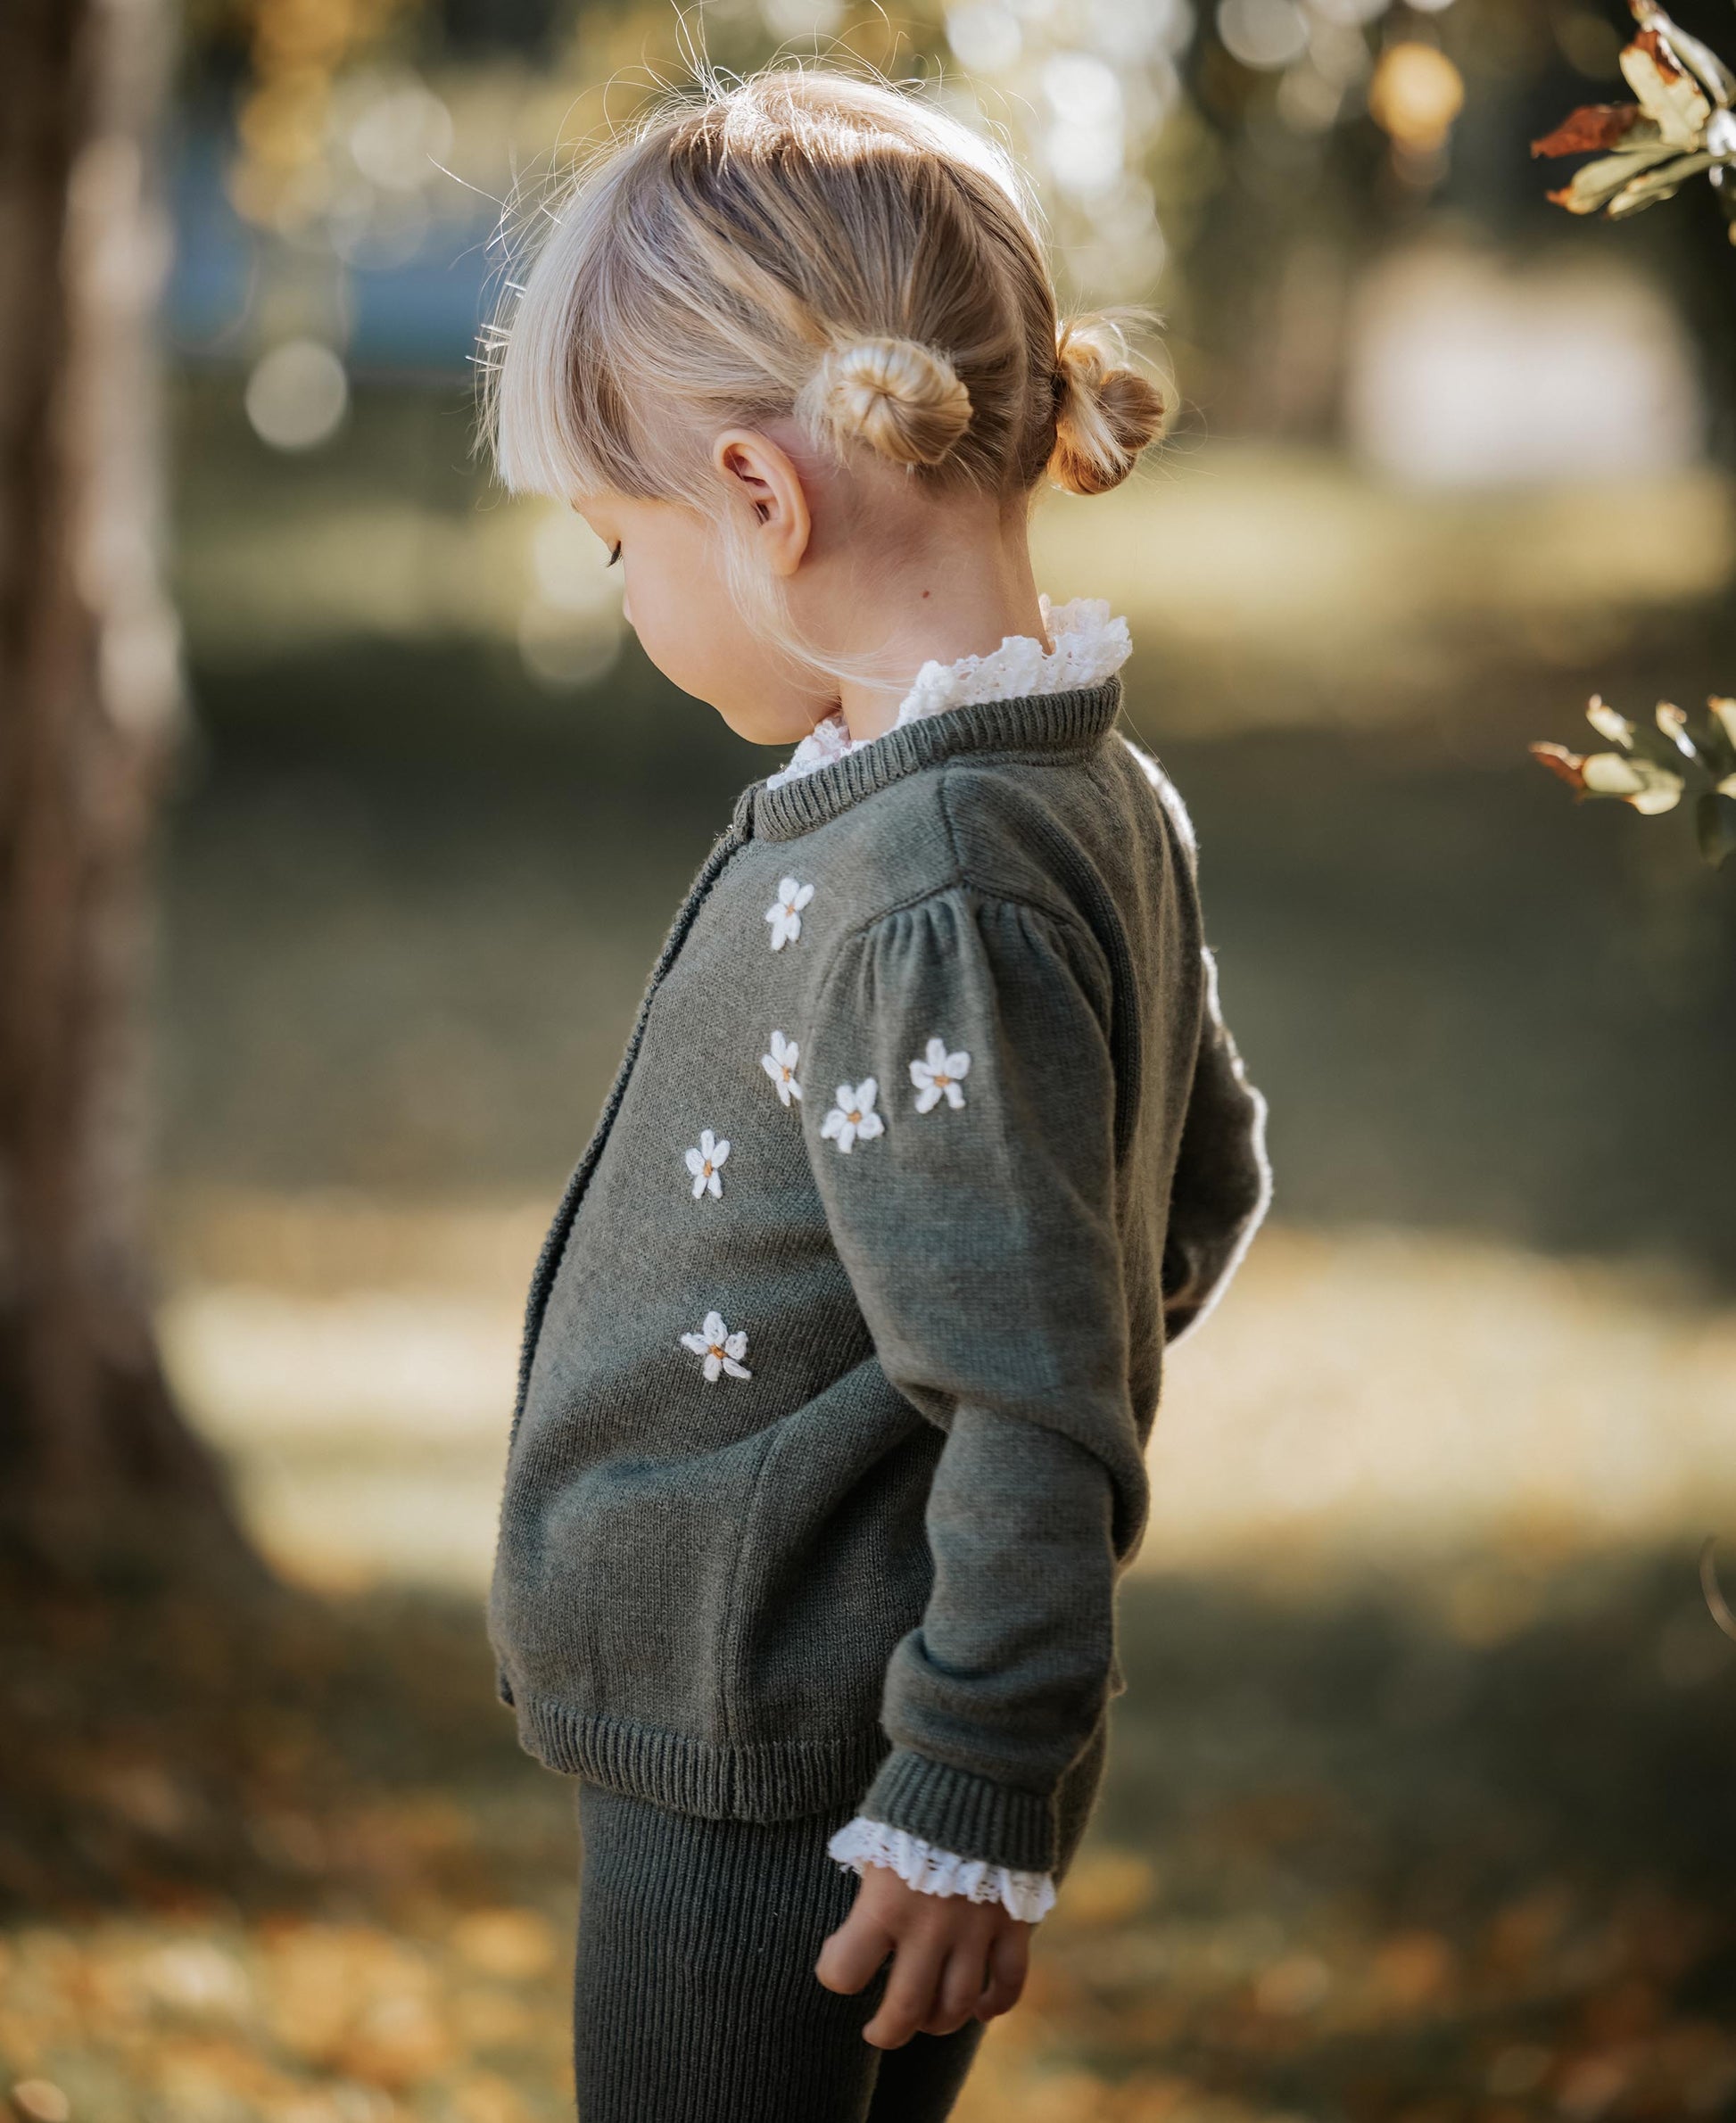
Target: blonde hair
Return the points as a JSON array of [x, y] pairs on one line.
[[803, 243]]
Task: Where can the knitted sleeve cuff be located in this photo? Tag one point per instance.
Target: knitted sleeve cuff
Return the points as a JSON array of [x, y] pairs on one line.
[[957, 1810]]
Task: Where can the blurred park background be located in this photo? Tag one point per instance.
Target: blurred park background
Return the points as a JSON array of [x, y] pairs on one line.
[[1420, 1806]]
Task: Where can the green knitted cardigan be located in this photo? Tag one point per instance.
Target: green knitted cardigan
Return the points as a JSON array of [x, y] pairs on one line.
[[843, 1350]]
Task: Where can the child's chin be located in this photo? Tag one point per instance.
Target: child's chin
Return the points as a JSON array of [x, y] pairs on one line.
[[759, 726]]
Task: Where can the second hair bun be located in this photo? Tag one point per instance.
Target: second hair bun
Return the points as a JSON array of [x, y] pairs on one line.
[[1106, 410], [903, 399]]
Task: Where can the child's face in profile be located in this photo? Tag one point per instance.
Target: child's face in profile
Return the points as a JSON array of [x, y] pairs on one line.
[[678, 601], [869, 568]]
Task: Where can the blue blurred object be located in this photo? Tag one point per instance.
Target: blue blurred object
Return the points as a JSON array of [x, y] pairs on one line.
[[210, 284], [419, 311]]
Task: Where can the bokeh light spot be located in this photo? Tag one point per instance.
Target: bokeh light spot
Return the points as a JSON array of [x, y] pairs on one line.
[[297, 395], [985, 38], [1264, 34], [1416, 94]]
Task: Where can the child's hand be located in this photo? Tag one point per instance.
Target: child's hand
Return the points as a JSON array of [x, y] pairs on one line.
[[955, 1960]]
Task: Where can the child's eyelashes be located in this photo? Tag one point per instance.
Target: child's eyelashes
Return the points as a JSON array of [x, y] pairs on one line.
[[613, 554]]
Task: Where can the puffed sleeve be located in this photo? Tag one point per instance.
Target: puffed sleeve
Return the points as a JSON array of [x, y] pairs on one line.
[[960, 1118]]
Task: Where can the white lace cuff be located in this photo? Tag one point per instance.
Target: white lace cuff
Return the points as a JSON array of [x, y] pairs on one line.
[[1027, 1896]]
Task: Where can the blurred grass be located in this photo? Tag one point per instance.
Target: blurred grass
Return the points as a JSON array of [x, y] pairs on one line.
[[1368, 1396]]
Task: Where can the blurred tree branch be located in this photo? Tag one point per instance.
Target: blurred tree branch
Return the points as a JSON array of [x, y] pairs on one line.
[[1681, 125], [1650, 766], [94, 1457]]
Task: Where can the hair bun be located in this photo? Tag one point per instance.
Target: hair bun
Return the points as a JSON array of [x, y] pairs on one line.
[[903, 399], [1106, 412]]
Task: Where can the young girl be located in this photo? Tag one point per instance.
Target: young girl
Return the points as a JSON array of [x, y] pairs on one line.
[[842, 1353]]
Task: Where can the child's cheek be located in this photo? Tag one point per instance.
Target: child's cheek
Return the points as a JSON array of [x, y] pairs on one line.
[[678, 632]]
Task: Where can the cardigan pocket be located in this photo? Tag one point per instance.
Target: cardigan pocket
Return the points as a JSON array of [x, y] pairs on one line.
[[835, 1554], [611, 1596]]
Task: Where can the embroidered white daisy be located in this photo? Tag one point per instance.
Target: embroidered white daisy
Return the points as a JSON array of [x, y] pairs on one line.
[[853, 1118], [937, 1075], [779, 1065], [721, 1351], [785, 913], [705, 1163]]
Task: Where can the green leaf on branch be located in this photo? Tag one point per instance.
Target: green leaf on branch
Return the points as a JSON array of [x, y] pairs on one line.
[[1721, 748], [1662, 183], [1714, 826], [1591, 188]]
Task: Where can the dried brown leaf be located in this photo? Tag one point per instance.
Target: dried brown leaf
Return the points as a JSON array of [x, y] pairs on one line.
[[1568, 766], [1592, 126]]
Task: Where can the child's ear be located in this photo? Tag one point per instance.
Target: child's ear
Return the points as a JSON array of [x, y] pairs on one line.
[[766, 477]]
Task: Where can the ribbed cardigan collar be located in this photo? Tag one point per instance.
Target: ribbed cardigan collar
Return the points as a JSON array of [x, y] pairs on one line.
[[1064, 724]]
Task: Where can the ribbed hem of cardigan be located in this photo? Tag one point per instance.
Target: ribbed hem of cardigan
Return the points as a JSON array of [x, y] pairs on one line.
[[955, 1810], [1063, 723], [776, 1780]]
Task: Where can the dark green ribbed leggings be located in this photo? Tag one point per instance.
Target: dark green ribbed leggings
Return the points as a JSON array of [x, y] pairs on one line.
[[695, 1999]]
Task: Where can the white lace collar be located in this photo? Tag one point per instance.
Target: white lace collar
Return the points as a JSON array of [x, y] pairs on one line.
[[1089, 646]]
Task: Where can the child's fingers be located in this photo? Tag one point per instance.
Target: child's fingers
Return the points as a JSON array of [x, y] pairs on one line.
[[851, 1954], [963, 1981], [1009, 1962], [910, 1992]]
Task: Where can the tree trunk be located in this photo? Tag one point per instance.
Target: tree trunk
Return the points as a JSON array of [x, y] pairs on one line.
[[95, 1458]]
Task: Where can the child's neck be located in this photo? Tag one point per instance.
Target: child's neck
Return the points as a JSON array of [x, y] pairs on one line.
[[960, 599]]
